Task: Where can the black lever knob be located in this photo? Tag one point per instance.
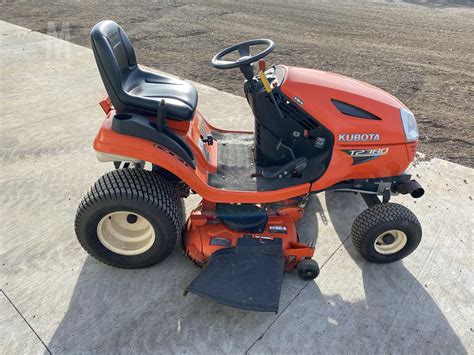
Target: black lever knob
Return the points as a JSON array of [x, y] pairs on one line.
[[209, 139], [161, 115]]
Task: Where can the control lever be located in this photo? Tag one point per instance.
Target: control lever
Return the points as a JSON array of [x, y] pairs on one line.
[[161, 116], [209, 139], [261, 74], [294, 166]]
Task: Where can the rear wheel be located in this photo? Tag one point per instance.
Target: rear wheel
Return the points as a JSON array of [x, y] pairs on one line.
[[386, 232], [181, 189], [130, 218]]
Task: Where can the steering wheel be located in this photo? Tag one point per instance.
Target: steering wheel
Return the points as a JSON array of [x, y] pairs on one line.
[[244, 51]]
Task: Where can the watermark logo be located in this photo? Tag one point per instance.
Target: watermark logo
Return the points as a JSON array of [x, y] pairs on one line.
[[56, 49]]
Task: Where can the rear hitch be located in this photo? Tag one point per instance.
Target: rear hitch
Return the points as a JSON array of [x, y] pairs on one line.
[[411, 187]]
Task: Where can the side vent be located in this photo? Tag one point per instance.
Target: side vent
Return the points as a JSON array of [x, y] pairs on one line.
[[292, 111], [354, 111]]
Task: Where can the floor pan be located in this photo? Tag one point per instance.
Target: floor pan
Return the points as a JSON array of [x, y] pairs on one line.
[[236, 167]]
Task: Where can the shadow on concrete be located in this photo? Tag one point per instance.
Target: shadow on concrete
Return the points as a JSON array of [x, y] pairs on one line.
[[394, 299], [308, 226], [143, 311]]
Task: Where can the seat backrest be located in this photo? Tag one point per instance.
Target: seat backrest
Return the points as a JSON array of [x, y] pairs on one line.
[[114, 56]]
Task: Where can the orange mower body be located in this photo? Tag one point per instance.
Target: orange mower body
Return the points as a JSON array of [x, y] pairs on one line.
[[314, 131]]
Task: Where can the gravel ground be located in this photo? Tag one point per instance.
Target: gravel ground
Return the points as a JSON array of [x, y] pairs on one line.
[[421, 53]]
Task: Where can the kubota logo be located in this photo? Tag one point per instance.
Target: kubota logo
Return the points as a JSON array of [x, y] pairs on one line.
[[359, 137]]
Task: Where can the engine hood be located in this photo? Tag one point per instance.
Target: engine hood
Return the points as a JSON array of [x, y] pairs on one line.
[[315, 91], [337, 85]]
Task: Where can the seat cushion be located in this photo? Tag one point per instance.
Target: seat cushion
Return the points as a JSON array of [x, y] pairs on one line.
[[147, 89]]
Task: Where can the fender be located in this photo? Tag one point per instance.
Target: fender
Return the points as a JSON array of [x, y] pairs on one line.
[[139, 126], [111, 142]]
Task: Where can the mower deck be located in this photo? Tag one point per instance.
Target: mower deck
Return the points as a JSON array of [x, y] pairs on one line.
[[247, 277]]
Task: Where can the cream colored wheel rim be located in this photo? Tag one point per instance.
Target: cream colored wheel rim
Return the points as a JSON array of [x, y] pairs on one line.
[[390, 242], [126, 233]]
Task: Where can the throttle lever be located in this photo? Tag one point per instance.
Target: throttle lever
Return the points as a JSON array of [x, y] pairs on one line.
[[263, 78]]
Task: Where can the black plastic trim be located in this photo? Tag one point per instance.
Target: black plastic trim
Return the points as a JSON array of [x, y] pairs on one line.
[[247, 218], [354, 111], [294, 112], [139, 126]]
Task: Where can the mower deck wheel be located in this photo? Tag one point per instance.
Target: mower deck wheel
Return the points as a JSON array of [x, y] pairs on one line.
[[130, 218], [308, 269], [386, 232]]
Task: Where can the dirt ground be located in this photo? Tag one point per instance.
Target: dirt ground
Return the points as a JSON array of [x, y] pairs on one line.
[[421, 53]]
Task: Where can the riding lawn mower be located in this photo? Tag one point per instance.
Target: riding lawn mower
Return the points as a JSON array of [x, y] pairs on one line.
[[314, 131]]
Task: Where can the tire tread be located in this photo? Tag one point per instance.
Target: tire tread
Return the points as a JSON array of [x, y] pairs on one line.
[[143, 187], [375, 215]]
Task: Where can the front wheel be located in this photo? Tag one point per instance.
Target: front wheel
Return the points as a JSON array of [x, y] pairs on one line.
[[130, 218], [386, 232]]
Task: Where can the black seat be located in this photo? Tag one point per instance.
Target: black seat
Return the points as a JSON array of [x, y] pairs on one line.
[[132, 89]]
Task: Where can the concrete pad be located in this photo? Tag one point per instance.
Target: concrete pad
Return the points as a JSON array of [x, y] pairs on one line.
[[76, 304], [423, 304], [16, 337]]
